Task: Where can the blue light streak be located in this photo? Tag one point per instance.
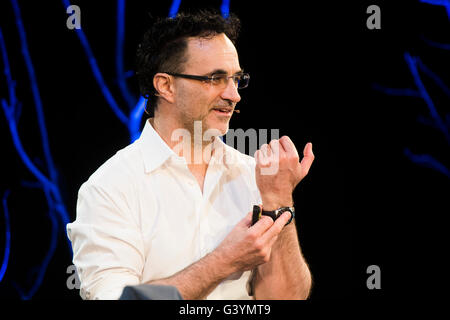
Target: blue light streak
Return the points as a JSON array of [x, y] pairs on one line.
[[49, 183], [428, 161], [120, 35], [42, 267], [35, 91], [439, 45], [135, 119], [12, 120], [7, 236], [415, 65], [174, 8], [97, 74], [41, 120], [438, 81], [408, 92], [412, 65], [444, 3], [12, 109], [225, 8]]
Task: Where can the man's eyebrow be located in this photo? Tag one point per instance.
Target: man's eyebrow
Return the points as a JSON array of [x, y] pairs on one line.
[[221, 71]]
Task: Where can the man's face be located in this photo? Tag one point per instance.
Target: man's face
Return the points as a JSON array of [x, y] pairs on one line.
[[200, 101]]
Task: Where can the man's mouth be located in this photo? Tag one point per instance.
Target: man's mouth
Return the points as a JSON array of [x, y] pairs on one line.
[[224, 110]]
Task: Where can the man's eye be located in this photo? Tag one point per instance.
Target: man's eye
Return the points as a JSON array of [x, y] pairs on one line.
[[217, 79]]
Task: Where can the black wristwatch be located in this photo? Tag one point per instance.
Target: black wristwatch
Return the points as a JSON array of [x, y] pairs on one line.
[[257, 213]]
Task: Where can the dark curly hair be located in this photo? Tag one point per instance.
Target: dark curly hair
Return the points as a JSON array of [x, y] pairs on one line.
[[164, 44]]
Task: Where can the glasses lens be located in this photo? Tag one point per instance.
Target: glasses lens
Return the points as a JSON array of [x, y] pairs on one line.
[[242, 80], [219, 79]]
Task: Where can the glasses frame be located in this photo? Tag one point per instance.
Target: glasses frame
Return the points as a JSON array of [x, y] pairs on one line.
[[212, 78]]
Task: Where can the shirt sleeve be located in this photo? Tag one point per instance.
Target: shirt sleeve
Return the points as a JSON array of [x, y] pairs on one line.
[[108, 249], [250, 285]]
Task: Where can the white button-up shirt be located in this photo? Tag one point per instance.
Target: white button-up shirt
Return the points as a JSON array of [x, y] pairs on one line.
[[142, 216]]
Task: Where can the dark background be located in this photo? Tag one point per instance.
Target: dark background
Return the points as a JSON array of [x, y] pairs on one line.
[[312, 69]]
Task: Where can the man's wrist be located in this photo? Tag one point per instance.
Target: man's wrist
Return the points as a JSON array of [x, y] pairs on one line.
[[222, 264], [273, 204]]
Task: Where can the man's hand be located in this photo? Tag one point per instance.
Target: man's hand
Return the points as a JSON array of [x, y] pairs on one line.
[[244, 248], [278, 171], [247, 246]]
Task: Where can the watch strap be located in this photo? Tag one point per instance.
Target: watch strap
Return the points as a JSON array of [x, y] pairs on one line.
[[258, 212]]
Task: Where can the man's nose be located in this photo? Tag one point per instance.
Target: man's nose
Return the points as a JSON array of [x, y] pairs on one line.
[[230, 92]]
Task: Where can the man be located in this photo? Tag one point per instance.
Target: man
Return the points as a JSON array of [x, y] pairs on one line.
[[177, 213]]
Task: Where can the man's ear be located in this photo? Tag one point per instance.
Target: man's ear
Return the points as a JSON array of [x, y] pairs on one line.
[[163, 84]]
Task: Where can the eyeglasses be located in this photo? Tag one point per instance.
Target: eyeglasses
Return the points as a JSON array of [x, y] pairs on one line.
[[240, 79]]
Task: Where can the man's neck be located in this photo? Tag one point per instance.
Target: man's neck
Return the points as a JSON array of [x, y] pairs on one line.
[[184, 143]]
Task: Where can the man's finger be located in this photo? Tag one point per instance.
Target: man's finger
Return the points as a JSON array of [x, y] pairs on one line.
[[308, 158], [262, 225], [275, 148], [266, 151], [277, 226], [247, 220], [288, 146], [261, 159]]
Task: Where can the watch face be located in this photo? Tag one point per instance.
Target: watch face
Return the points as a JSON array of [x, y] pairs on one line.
[[280, 211], [275, 214], [290, 209], [284, 210]]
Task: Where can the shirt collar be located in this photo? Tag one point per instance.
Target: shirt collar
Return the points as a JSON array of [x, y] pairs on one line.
[[154, 150]]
